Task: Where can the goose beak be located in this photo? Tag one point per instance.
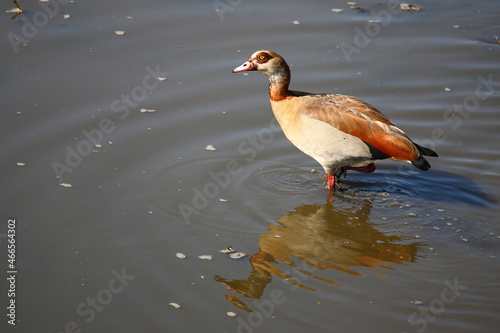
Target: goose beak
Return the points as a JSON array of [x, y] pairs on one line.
[[247, 66]]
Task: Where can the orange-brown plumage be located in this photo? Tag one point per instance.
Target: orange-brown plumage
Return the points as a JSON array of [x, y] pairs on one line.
[[341, 132], [353, 116]]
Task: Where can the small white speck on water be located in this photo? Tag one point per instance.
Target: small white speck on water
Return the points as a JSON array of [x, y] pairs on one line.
[[237, 255], [296, 22], [21, 164], [66, 185], [410, 7], [228, 249], [205, 257], [337, 10], [222, 200], [119, 32], [412, 214], [175, 305], [210, 148], [417, 302], [180, 255], [231, 314], [147, 111]]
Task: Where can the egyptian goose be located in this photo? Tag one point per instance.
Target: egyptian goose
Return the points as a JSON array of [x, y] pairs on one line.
[[340, 132]]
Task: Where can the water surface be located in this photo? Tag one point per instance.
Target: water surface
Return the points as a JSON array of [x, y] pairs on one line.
[[398, 250]]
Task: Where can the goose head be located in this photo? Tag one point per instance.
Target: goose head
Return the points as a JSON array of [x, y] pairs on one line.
[[267, 62]]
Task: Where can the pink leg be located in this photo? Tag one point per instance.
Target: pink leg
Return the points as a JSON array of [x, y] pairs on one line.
[[367, 169], [331, 182]]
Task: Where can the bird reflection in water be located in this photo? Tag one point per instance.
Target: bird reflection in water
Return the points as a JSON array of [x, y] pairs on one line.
[[314, 238]]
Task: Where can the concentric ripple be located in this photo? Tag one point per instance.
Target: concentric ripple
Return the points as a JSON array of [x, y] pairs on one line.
[[279, 179]]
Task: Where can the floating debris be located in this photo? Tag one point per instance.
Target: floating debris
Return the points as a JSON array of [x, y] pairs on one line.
[[410, 7], [162, 78], [296, 22], [446, 89], [210, 148], [229, 249], [66, 16], [66, 185], [175, 305], [237, 255], [417, 302], [21, 164], [337, 10], [15, 11], [147, 111], [359, 9], [495, 39], [222, 200], [231, 314], [119, 33], [98, 146], [205, 257], [180, 255], [412, 214]]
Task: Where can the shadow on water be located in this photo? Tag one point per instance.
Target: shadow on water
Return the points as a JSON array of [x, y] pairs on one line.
[[315, 238], [432, 185]]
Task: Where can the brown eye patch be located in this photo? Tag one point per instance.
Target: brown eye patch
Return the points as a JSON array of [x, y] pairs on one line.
[[263, 57]]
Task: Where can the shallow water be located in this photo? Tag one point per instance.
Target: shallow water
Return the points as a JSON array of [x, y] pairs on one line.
[[398, 250]]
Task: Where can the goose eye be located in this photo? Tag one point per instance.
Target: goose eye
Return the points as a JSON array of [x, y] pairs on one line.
[[262, 57]]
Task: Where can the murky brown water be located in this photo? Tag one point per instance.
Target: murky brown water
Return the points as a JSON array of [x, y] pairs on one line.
[[398, 250]]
